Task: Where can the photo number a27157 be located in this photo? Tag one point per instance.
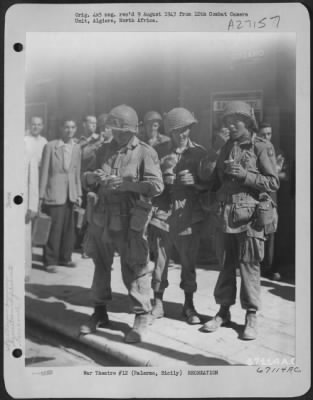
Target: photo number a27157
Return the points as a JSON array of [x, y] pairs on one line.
[[266, 22]]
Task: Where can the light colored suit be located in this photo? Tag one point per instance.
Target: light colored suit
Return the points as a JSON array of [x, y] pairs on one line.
[[57, 183], [31, 203]]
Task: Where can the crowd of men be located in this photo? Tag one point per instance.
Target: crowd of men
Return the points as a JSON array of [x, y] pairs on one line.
[[145, 193]]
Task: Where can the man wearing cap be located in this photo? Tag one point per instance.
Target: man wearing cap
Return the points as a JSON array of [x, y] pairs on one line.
[[125, 177], [178, 214], [244, 175], [151, 134]]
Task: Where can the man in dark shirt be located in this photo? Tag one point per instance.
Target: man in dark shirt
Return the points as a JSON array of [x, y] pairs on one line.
[[178, 214]]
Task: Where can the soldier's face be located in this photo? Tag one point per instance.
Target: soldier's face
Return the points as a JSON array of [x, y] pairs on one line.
[[181, 136], [69, 130], [90, 125], [266, 133], [36, 126], [122, 138], [152, 128], [236, 126]]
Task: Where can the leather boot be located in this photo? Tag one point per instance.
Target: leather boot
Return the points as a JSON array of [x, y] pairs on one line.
[[99, 319], [250, 331], [136, 334], [220, 319], [157, 309], [189, 311]]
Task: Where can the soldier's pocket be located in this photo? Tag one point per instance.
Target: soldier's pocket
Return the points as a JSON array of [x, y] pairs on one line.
[[115, 218], [137, 249], [251, 249], [141, 215], [242, 213], [272, 227], [265, 213]]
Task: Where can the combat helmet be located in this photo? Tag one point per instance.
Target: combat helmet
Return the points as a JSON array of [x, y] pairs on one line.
[[240, 108], [178, 118], [123, 118], [102, 119], [152, 116]]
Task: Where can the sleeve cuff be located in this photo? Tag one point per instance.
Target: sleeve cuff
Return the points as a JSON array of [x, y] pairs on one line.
[[250, 179]]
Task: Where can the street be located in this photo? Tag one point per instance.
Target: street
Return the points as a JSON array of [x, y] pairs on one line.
[[61, 303], [50, 349]]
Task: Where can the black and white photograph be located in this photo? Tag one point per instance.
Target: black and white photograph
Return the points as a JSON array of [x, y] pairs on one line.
[[160, 222]]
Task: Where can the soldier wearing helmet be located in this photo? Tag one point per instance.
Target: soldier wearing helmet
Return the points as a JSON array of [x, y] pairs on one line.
[[244, 175], [178, 214], [151, 133], [125, 177]]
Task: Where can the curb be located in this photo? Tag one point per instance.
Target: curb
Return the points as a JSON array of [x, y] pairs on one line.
[[124, 352]]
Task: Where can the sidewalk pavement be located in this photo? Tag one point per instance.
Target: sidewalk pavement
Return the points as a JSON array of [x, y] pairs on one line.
[[61, 302]]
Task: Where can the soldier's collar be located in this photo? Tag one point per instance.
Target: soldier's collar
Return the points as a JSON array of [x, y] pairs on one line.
[[245, 139], [132, 143], [190, 145]]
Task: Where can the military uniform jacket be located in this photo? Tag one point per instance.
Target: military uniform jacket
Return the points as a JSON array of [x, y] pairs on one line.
[[135, 162], [178, 208], [89, 146], [161, 145], [237, 199]]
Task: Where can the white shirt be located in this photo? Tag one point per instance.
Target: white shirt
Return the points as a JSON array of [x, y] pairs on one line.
[[35, 145], [67, 152], [31, 181]]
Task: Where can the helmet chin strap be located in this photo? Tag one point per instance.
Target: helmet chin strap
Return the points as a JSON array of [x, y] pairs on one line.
[[241, 137]]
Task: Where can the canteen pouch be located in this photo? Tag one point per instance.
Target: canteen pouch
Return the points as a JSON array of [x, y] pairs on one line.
[[137, 246], [242, 213], [265, 211]]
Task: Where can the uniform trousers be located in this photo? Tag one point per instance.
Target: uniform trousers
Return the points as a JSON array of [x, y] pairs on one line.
[[187, 247], [269, 247], [136, 276], [246, 253], [61, 240]]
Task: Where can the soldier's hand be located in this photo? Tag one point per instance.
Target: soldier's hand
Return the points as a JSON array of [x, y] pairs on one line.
[[114, 182], [79, 201], [93, 177], [236, 170], [101, 176], [186, 178], [221, 138]]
